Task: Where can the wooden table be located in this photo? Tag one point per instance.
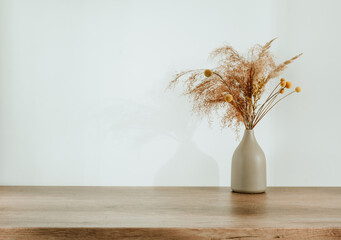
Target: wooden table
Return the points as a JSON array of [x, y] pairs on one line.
[[194, 213]]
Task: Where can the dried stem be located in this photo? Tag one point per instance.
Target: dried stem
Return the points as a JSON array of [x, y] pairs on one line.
[[266, 106], [263, 115], [271, 95]]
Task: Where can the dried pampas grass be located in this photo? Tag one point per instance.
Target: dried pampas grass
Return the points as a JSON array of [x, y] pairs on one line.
[[234, 88]]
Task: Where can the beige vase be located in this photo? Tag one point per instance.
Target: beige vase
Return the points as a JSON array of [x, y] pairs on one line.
[[248, 172]]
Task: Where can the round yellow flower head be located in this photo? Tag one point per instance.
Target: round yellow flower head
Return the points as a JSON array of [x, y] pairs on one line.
[[208, 73], [288, 85], [298, 89], [281, 91], [283, 83], [228, 98]]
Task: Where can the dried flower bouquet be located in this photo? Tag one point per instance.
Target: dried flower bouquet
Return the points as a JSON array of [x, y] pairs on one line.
[[234, 88]]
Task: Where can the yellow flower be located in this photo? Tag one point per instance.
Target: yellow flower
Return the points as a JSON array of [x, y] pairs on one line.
[[208, 73], [288, 85], [298, 89], [228, 98], [281, 91], [283, 83]]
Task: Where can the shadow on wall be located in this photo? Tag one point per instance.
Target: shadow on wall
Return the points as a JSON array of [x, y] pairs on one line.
[[169, 115], [189, 167]]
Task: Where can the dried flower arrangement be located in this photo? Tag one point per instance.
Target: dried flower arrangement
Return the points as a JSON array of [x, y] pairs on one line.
[[234, 88]]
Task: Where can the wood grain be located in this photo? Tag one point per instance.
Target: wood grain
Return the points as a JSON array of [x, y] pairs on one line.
[[168, 213]]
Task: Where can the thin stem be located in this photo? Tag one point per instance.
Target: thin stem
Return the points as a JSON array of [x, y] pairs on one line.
[[273, 106], [266, 107], [274, 89], [269, 97], [266, 104]]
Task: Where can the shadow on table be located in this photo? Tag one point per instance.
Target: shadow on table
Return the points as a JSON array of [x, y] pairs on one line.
[[248, 204]]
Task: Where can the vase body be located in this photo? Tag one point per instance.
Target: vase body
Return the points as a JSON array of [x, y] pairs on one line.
[[248, 172]]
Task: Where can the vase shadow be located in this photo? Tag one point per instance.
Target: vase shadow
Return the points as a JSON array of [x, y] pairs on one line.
[[169, 117], [188, 167], [254, 205]]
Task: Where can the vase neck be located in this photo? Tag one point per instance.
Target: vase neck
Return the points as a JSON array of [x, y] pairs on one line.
[[249, 136]]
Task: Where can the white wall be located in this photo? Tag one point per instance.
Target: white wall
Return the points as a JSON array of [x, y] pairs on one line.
[[83, 100]]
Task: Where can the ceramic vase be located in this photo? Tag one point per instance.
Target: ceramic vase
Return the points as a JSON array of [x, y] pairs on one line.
[[248, 172]]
